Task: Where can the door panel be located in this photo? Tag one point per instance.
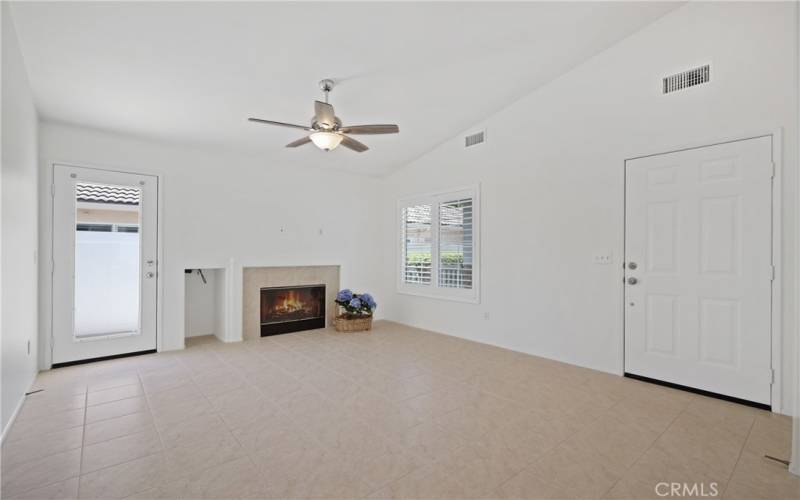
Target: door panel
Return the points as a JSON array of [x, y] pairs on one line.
[[699, 232], [104, 263]]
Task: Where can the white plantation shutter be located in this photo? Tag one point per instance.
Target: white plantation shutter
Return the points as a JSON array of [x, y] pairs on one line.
[[455, 244], [417, 244], [439, 255]]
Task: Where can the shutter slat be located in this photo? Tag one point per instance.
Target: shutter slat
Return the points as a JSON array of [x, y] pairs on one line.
[[417, 242], [455, 244]]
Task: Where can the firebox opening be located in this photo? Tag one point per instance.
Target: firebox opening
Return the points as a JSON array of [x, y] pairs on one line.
[[292, 308]]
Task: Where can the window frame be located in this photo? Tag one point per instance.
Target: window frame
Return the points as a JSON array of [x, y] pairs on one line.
[[433, 290]]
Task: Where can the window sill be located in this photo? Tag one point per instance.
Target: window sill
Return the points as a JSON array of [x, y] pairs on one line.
[[471, 298]]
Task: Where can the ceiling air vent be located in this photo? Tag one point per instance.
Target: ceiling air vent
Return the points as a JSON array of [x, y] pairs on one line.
[[475, 139], [686, 79]]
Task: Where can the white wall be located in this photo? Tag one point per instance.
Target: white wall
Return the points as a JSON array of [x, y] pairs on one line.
[[202, 304], [223, 210], [19, 216], [221, 309], [551, 176]]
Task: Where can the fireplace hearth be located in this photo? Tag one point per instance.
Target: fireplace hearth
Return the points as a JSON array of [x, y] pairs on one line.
[[288, 309]]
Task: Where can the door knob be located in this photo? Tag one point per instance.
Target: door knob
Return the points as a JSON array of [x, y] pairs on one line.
[[632, 280], [149, 274], [632, 265]]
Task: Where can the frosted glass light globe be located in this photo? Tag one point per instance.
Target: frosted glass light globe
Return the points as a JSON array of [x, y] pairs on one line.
[[326, 140]]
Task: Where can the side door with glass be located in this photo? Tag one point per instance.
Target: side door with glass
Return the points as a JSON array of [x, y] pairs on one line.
[[104, 263]]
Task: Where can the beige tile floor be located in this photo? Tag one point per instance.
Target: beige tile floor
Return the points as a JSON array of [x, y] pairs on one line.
[[396, 413]]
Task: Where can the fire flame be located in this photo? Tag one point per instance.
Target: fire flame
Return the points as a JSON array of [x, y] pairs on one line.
[[291, 302]]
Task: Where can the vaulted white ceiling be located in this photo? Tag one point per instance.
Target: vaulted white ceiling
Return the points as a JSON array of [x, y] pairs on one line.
[[194, 72]]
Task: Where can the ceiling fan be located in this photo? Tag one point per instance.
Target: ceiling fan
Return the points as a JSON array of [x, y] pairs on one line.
[[326, 128]]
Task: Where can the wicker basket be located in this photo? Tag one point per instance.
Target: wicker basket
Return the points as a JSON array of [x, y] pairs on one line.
[[342, 323]]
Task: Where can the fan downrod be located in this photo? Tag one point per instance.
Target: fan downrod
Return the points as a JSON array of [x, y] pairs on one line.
[[326, 86]]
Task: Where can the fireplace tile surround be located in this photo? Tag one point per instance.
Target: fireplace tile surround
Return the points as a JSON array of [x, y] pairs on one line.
[[256, 278]]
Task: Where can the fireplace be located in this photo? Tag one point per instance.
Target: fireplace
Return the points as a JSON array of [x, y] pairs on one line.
[[287, 309]]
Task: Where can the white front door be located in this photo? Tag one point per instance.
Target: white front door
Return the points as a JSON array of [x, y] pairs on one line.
[[104, 263], [698, 268]]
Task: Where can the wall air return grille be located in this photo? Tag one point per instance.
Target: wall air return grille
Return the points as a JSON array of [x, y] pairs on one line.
[[686, 79], [475, 139]]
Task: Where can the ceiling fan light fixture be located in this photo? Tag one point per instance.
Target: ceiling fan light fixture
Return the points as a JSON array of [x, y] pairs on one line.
[[326, 140], [326, 130]]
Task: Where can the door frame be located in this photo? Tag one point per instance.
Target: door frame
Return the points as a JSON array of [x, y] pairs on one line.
[[776, 327], [47, 348]]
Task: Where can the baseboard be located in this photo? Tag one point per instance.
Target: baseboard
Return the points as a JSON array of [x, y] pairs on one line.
[[547, 356], [17, 409], [226, 340]]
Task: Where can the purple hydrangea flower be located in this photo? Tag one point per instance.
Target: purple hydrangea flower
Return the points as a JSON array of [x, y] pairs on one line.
[[355, 303], [344, 295], [367, 299]]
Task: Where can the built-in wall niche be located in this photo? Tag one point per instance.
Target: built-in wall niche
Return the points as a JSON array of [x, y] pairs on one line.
[[205, 299]]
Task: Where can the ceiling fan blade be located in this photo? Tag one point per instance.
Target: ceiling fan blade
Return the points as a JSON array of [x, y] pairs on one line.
[[370, 129], [324, 115], [299, 142], [353, 144], [281, 124]]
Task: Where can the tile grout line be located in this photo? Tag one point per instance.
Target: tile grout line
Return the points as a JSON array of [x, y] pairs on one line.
[[83, 440], [155, 428], [643, 453], [739, 457], [118, 437], [121, 463], [147, 397], [126, 435], [314, 357], [80, 458], [115, 400], [228, 429], [550, 450], [45, 417], [314, 438]]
